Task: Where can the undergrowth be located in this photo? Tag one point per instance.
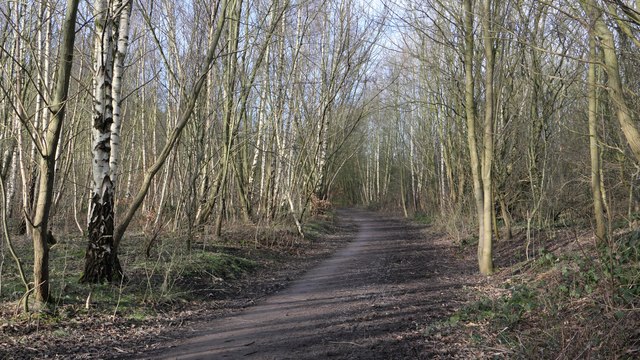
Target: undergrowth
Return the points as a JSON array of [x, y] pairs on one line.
[[569, 303], [171, 274]]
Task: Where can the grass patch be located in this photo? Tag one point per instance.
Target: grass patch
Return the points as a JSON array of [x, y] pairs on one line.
[[172, 274], [218, 265]]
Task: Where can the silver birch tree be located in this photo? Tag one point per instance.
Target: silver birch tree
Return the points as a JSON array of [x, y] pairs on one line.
[[112, 24]]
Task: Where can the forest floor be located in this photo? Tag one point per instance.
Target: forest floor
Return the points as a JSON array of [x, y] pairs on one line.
[[365, 286], [366, 289]]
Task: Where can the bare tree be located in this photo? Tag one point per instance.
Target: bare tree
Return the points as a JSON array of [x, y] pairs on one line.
[[42, 237], [612, 68], [594, 150]]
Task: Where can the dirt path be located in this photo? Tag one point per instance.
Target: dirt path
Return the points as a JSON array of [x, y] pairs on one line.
[[371, 300]]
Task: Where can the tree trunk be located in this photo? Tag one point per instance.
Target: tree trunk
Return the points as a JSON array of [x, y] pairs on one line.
[[506, 217], [41, 234], [615, 88], [593, 142], [121, 36], [471, 121], [100, 259], [486, 260], [100, 254]]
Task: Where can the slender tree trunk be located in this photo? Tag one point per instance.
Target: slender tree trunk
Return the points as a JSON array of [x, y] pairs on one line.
[[258, 151], [615, 87], [229, 114], [41, 234], [506, 217], [12, 165], [593, 142], [377, 160], [471, 122], [486, 259], [19, 118], [412, 152], [403, 195]]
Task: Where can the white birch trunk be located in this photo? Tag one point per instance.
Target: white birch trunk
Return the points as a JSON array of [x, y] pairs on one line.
[[259, 136], [122, 10], [11, 189], [143, 115], [443, 189], [100, 255], [153, 155], [387, 173], [134, 163], [102, 97]]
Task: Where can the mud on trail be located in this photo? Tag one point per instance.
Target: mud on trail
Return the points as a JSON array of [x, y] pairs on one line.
[[372, 299]]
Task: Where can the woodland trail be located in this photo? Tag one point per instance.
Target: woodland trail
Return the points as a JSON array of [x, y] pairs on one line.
[[370, 300]]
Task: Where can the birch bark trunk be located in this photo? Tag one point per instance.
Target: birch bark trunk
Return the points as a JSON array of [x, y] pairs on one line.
[[100, 257], [122, 10], [112, 25]]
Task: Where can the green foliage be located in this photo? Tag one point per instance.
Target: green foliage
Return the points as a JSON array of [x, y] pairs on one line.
[[622, 267], [579, 282], [546, 259], [591, 293], [570, 302], [617, 267]]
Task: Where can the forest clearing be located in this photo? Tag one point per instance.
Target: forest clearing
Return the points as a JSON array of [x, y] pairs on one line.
[[355, 180]]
